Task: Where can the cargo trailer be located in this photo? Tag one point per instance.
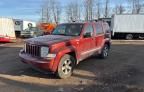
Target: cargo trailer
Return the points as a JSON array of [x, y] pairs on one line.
[[7, 31], [128, 26]]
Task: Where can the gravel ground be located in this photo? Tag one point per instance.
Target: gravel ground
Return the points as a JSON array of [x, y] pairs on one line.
[[122, 71]]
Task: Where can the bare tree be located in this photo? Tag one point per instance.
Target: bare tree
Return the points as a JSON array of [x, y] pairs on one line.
[[46, 11], [73, 11], [106, 8], [42, 15], [98, 9], [56, 10], [51, 11], [89, 6], [136, 6], [119, 9], [68, 10]]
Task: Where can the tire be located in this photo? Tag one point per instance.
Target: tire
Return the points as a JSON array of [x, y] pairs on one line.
[[129, 37], [105, 52], [66, 66]]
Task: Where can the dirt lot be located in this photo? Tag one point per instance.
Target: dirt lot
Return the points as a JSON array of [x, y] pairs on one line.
[[123, 71]]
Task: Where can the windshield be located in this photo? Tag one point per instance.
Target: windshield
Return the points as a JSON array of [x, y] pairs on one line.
[[68, 29]]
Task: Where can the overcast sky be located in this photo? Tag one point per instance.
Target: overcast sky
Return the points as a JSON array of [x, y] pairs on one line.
[[29, 9]]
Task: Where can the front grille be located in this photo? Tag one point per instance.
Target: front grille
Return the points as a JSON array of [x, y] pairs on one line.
[[33, 50]]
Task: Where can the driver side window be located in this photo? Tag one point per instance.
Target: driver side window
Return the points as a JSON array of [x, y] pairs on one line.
[[89, 31]]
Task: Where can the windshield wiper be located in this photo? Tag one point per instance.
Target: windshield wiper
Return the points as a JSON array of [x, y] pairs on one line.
[[60, 34], [64, 34]]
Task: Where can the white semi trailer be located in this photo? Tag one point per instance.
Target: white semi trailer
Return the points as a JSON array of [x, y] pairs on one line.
[[7, 31], [21, 25], [128, 26]]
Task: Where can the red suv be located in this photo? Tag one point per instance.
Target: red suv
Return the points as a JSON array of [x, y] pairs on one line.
[[69, 44]]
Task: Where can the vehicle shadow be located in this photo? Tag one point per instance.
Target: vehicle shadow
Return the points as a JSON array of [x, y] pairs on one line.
[[114, 70], [11, 85], [87, 69], [12, 65], [16, 75]]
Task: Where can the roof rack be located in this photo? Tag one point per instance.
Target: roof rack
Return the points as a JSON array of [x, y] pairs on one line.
[[95, 20]]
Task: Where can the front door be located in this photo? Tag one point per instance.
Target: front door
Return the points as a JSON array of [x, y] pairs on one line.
[[88, 41]]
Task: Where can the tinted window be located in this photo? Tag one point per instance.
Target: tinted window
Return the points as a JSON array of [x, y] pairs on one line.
[[106, 27], [99, 29], [89, 29]]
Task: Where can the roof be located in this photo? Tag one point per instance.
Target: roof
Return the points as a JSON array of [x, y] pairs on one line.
[[75, 23]]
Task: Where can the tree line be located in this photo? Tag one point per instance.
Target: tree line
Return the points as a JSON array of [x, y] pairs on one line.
[[77, 10]]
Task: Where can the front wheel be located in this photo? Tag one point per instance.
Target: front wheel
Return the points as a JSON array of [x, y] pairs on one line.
[[66, 65], [105, 52]]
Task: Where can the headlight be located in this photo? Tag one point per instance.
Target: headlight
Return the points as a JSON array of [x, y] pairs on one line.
[[44, 52]]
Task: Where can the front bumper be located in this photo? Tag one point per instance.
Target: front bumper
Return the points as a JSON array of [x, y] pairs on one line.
[[40, 64], [26, 35]]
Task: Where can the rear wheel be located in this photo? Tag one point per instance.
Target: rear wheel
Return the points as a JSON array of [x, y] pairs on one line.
[[105, 52], [129, 36], [66, 65]]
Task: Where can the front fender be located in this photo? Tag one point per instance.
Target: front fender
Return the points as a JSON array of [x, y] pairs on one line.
[[60, 54]]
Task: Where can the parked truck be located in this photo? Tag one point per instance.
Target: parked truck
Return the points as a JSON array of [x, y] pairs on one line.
[[22, 25], [128, 26], [7, 31]]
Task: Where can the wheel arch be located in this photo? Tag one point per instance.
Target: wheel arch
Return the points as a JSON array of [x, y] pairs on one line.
[[73, 54], [108, 43], [70, 51]]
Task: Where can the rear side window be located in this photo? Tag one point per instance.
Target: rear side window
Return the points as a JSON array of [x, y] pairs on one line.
[[99, 29], [106, 27]]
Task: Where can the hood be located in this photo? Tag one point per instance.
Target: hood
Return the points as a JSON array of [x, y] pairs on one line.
[[49, 39]]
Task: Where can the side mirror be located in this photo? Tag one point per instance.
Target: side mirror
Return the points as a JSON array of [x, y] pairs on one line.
[[87, 35]]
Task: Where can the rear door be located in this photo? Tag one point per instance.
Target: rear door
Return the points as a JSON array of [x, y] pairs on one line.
[[87, 42], [99, 38]]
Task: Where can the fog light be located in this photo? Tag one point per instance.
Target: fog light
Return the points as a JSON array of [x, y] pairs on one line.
[[51, 55]]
